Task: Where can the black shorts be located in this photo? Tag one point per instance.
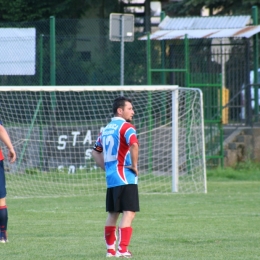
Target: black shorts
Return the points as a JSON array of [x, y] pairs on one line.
[[2, 181], [122, 198]]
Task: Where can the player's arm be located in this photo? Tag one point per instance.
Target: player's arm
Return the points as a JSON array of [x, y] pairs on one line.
[[98, 157], [134, 150], [4, 137]]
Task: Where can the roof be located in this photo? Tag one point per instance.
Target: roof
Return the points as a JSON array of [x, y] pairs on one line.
[[205, 22], [205, 27]]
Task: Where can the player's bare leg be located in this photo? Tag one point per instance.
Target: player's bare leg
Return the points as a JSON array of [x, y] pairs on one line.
[[127, 219]]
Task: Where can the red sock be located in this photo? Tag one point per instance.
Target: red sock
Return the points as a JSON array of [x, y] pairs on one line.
[[110, 237], [124, 238]]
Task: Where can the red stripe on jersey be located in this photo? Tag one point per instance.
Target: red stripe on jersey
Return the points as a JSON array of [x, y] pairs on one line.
[[123, 149], [1, 155], [133, 139]]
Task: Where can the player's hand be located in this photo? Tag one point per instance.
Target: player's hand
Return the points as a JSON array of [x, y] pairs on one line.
[[11, 155], [133, 168]]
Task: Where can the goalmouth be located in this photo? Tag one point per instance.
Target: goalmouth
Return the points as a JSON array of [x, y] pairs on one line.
[[53, 129]]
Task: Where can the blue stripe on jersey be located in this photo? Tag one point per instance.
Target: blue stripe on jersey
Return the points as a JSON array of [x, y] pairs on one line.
[[115, 140]]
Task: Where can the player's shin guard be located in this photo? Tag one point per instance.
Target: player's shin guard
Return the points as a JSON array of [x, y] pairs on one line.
[[3, 222], [110, 237], [124, 238]]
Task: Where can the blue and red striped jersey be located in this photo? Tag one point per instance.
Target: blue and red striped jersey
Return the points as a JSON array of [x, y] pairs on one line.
[[115, 141]]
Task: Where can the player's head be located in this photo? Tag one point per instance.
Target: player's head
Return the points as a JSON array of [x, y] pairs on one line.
[[123, 107]]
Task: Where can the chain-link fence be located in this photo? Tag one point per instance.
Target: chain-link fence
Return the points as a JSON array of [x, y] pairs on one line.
[[84, 55], [79, 52]]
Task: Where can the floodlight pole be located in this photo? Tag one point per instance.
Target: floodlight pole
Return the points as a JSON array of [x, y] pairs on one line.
[[122, 50]]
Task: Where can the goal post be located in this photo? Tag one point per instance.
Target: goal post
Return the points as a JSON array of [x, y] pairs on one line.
[[188, 145], [53, 129]]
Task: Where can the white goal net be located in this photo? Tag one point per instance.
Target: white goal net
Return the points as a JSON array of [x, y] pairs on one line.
[[53, 130]]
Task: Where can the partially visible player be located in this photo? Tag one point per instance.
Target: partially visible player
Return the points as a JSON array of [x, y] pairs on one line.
[[4, 137], [116, 152]]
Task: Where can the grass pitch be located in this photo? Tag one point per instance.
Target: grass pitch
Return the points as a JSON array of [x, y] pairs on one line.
[[223, 224]]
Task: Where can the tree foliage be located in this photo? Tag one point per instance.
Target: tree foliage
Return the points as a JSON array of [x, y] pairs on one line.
[[33, 10], [223, 7]]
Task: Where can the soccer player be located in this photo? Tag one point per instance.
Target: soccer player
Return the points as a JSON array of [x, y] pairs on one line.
[[116, 152], [4, 137]]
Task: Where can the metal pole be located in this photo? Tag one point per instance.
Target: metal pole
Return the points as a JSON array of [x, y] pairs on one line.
[[223, 65], [41, 59], [53, 61], [122, 51], [162, 54], [148, 57], [187, 64], [149, 106], [247, 113], [52, 51], [255, 42], [40, 108], [175, 130]]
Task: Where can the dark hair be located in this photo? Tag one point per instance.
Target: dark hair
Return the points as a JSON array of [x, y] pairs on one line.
[[120, 102]]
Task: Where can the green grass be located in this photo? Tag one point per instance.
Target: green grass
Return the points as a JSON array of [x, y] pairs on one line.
[[247, 171], [223, 224]]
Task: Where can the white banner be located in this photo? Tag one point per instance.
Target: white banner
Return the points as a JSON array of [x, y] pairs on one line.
[[17, 51]]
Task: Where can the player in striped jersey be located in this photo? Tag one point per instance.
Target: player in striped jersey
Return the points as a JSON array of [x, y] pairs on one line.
[[116, 151]]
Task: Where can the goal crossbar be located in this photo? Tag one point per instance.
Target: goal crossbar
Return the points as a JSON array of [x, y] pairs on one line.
[[88, 88]]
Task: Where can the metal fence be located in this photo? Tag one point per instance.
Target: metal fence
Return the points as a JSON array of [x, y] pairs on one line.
[[84, 55], [79, 52]]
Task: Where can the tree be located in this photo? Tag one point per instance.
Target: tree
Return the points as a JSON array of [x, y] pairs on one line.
[[33, 10], [223, 7]]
